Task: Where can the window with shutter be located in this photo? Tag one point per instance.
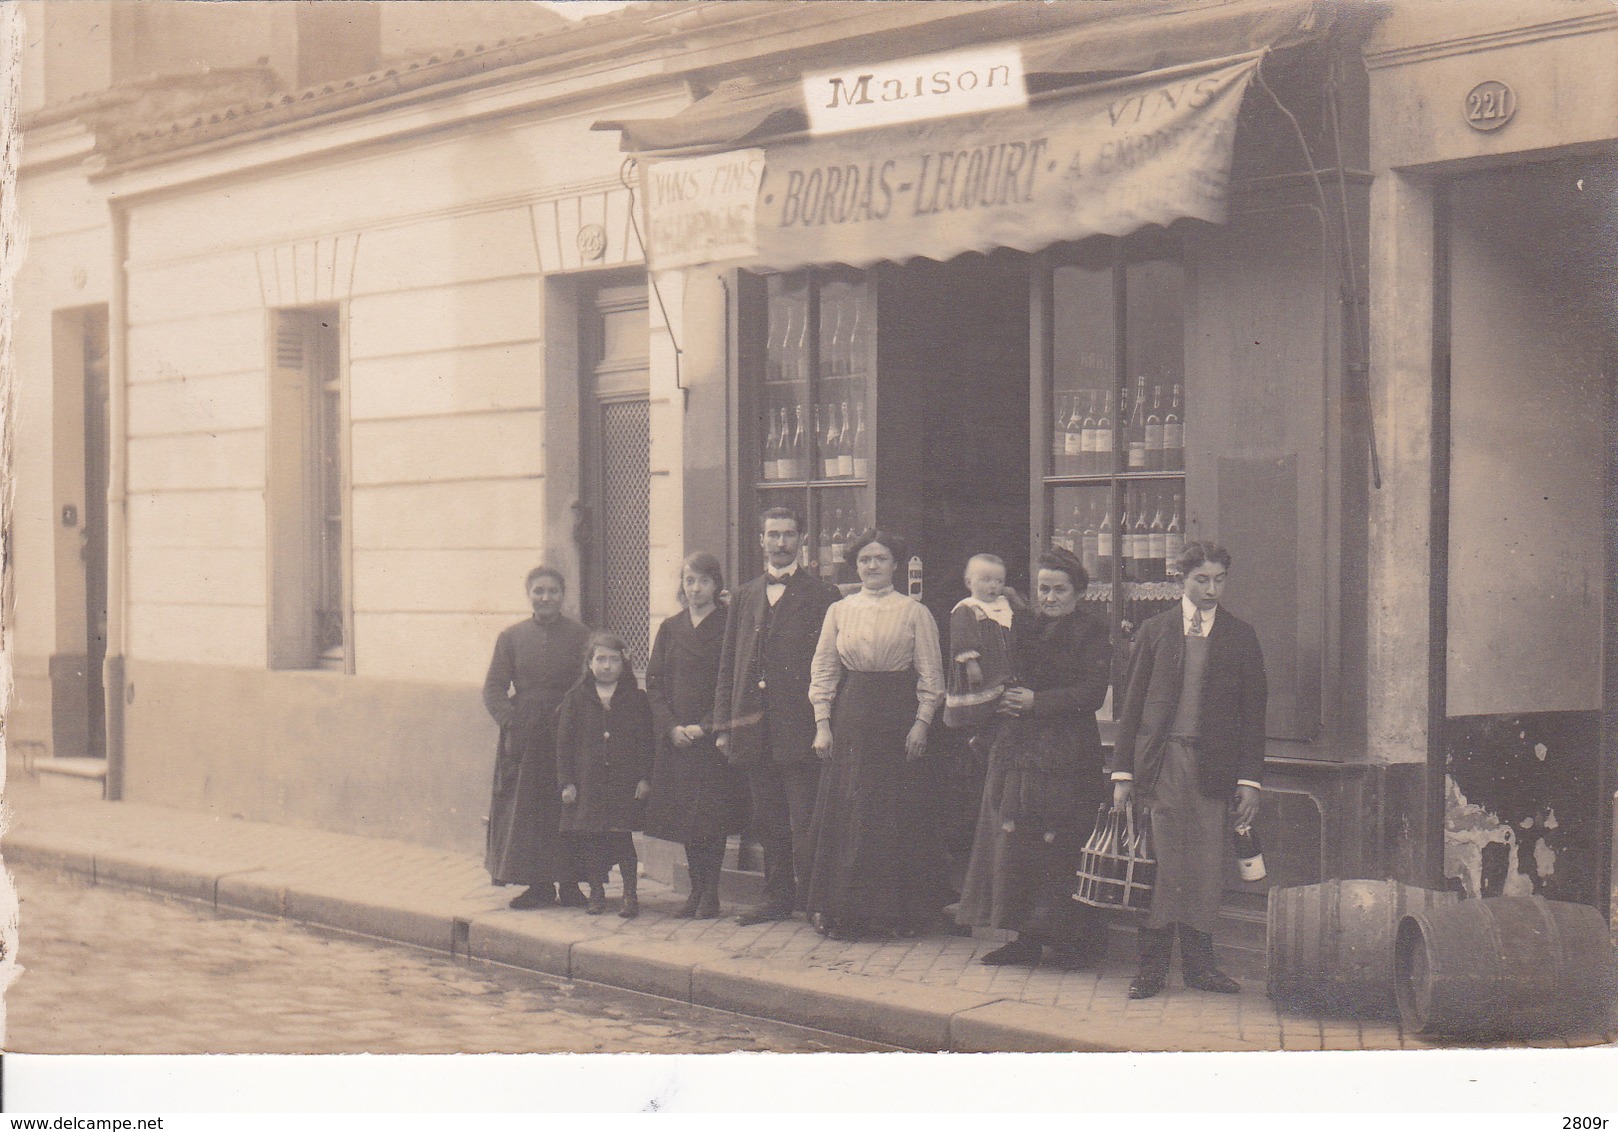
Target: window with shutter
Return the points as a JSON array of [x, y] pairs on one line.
[[306, 500]]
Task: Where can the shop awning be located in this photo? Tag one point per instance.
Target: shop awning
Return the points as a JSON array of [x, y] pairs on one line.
[[1129, 120]]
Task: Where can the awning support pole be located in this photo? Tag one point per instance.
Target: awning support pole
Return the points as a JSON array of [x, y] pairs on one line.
[[1357, 366]]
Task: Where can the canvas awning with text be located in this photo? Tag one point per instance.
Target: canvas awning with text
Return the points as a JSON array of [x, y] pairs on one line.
[[945, 154]]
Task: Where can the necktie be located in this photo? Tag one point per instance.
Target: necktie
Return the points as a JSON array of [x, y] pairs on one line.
[[1196, 623]]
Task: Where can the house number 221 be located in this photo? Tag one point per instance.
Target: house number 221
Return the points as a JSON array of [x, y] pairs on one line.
[[1490, 105]]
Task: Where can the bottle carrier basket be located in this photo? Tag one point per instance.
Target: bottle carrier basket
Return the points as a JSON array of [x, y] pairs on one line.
[[1116, 866]]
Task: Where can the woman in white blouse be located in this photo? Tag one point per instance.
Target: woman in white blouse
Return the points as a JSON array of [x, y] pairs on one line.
[[876, 681]]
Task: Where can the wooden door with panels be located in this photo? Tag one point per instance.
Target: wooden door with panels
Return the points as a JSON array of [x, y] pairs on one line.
[[615, 414]]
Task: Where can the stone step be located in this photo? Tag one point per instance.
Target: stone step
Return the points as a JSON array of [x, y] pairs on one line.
[[79, 778]]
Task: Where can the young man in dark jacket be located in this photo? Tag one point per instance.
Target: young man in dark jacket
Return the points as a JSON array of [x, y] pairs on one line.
[[1191, 747]]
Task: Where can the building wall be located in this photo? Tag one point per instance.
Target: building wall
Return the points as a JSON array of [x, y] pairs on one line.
[[67, 267], [436, 253], [1423, 61]]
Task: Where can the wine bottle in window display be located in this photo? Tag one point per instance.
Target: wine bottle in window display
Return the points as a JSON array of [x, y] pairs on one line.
[[800, 344], [1102, 463], [1088, 443], [1104, 558], [774, 342], [860, 461], [856, 332], [1073, 453], [833, 360], [1143, 541], [1062, 437], [845, 446], [1126, 547], [1157, 544], [839, 542], [1073, 534], [1174, 434], [1137, 429], [789, 333], [1154, 431], [1058, 531], [783, 454], [772, 449], [1088, 551], [1173, 541], [823, 551], [797, 458]]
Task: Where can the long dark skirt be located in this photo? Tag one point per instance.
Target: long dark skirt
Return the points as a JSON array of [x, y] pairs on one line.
[[696, 794], [525, 844], [874, 857], [1017, 879]]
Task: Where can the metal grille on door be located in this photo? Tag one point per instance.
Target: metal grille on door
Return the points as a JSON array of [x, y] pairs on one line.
[[626, 523]]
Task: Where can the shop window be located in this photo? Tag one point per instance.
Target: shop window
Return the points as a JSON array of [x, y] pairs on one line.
[[308, 615], [1112, 448], [813, 434]]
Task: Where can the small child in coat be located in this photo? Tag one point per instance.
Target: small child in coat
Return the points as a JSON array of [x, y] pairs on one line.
[[980, 647], [603, 764]]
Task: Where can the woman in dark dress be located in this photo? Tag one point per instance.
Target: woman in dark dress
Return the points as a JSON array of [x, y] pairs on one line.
[[535, 662], [698, 798], [1045, 780], [875, 683]]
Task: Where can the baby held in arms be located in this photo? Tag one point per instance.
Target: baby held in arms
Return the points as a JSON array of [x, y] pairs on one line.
[[980, 645]]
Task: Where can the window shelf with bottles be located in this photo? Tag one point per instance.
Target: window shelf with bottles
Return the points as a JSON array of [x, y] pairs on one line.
[[814, 408], [1111, 394]]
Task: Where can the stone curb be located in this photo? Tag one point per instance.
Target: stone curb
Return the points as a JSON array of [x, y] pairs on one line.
[[909, 1016]]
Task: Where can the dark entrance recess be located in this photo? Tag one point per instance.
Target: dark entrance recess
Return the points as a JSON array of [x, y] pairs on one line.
[[1523, 687], [952, 453]]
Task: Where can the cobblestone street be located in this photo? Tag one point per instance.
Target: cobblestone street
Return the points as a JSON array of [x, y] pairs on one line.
[[108, 970]]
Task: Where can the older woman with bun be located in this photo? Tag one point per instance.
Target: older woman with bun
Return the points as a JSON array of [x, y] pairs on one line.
[[876, 681], [535, 662], [1045, 781]]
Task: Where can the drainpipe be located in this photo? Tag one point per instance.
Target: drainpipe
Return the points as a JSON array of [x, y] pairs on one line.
[[113, 676]]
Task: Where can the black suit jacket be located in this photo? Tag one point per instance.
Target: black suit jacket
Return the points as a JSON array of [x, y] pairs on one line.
[[1234, 698], [778, 718]]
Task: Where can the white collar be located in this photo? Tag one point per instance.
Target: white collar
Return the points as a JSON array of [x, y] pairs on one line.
[[1188, 610], [998, 610], [771, 578], [874, 595]]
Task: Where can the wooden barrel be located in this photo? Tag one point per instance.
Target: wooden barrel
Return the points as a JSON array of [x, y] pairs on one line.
[[1506, 966], [1330, 946]]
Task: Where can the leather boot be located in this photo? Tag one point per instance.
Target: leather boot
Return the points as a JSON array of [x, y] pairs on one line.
[[1198, 966], [713, 864], [1156, 947], [695, 869], [630, 907], [597, 903]]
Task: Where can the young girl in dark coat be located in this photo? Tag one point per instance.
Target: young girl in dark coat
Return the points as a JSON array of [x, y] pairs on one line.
[[603, 763], [698, 798]]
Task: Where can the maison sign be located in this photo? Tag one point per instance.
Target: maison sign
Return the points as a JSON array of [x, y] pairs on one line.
[[915, 90]]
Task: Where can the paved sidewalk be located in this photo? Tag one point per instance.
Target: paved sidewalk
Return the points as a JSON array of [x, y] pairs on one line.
[[924, 994]]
